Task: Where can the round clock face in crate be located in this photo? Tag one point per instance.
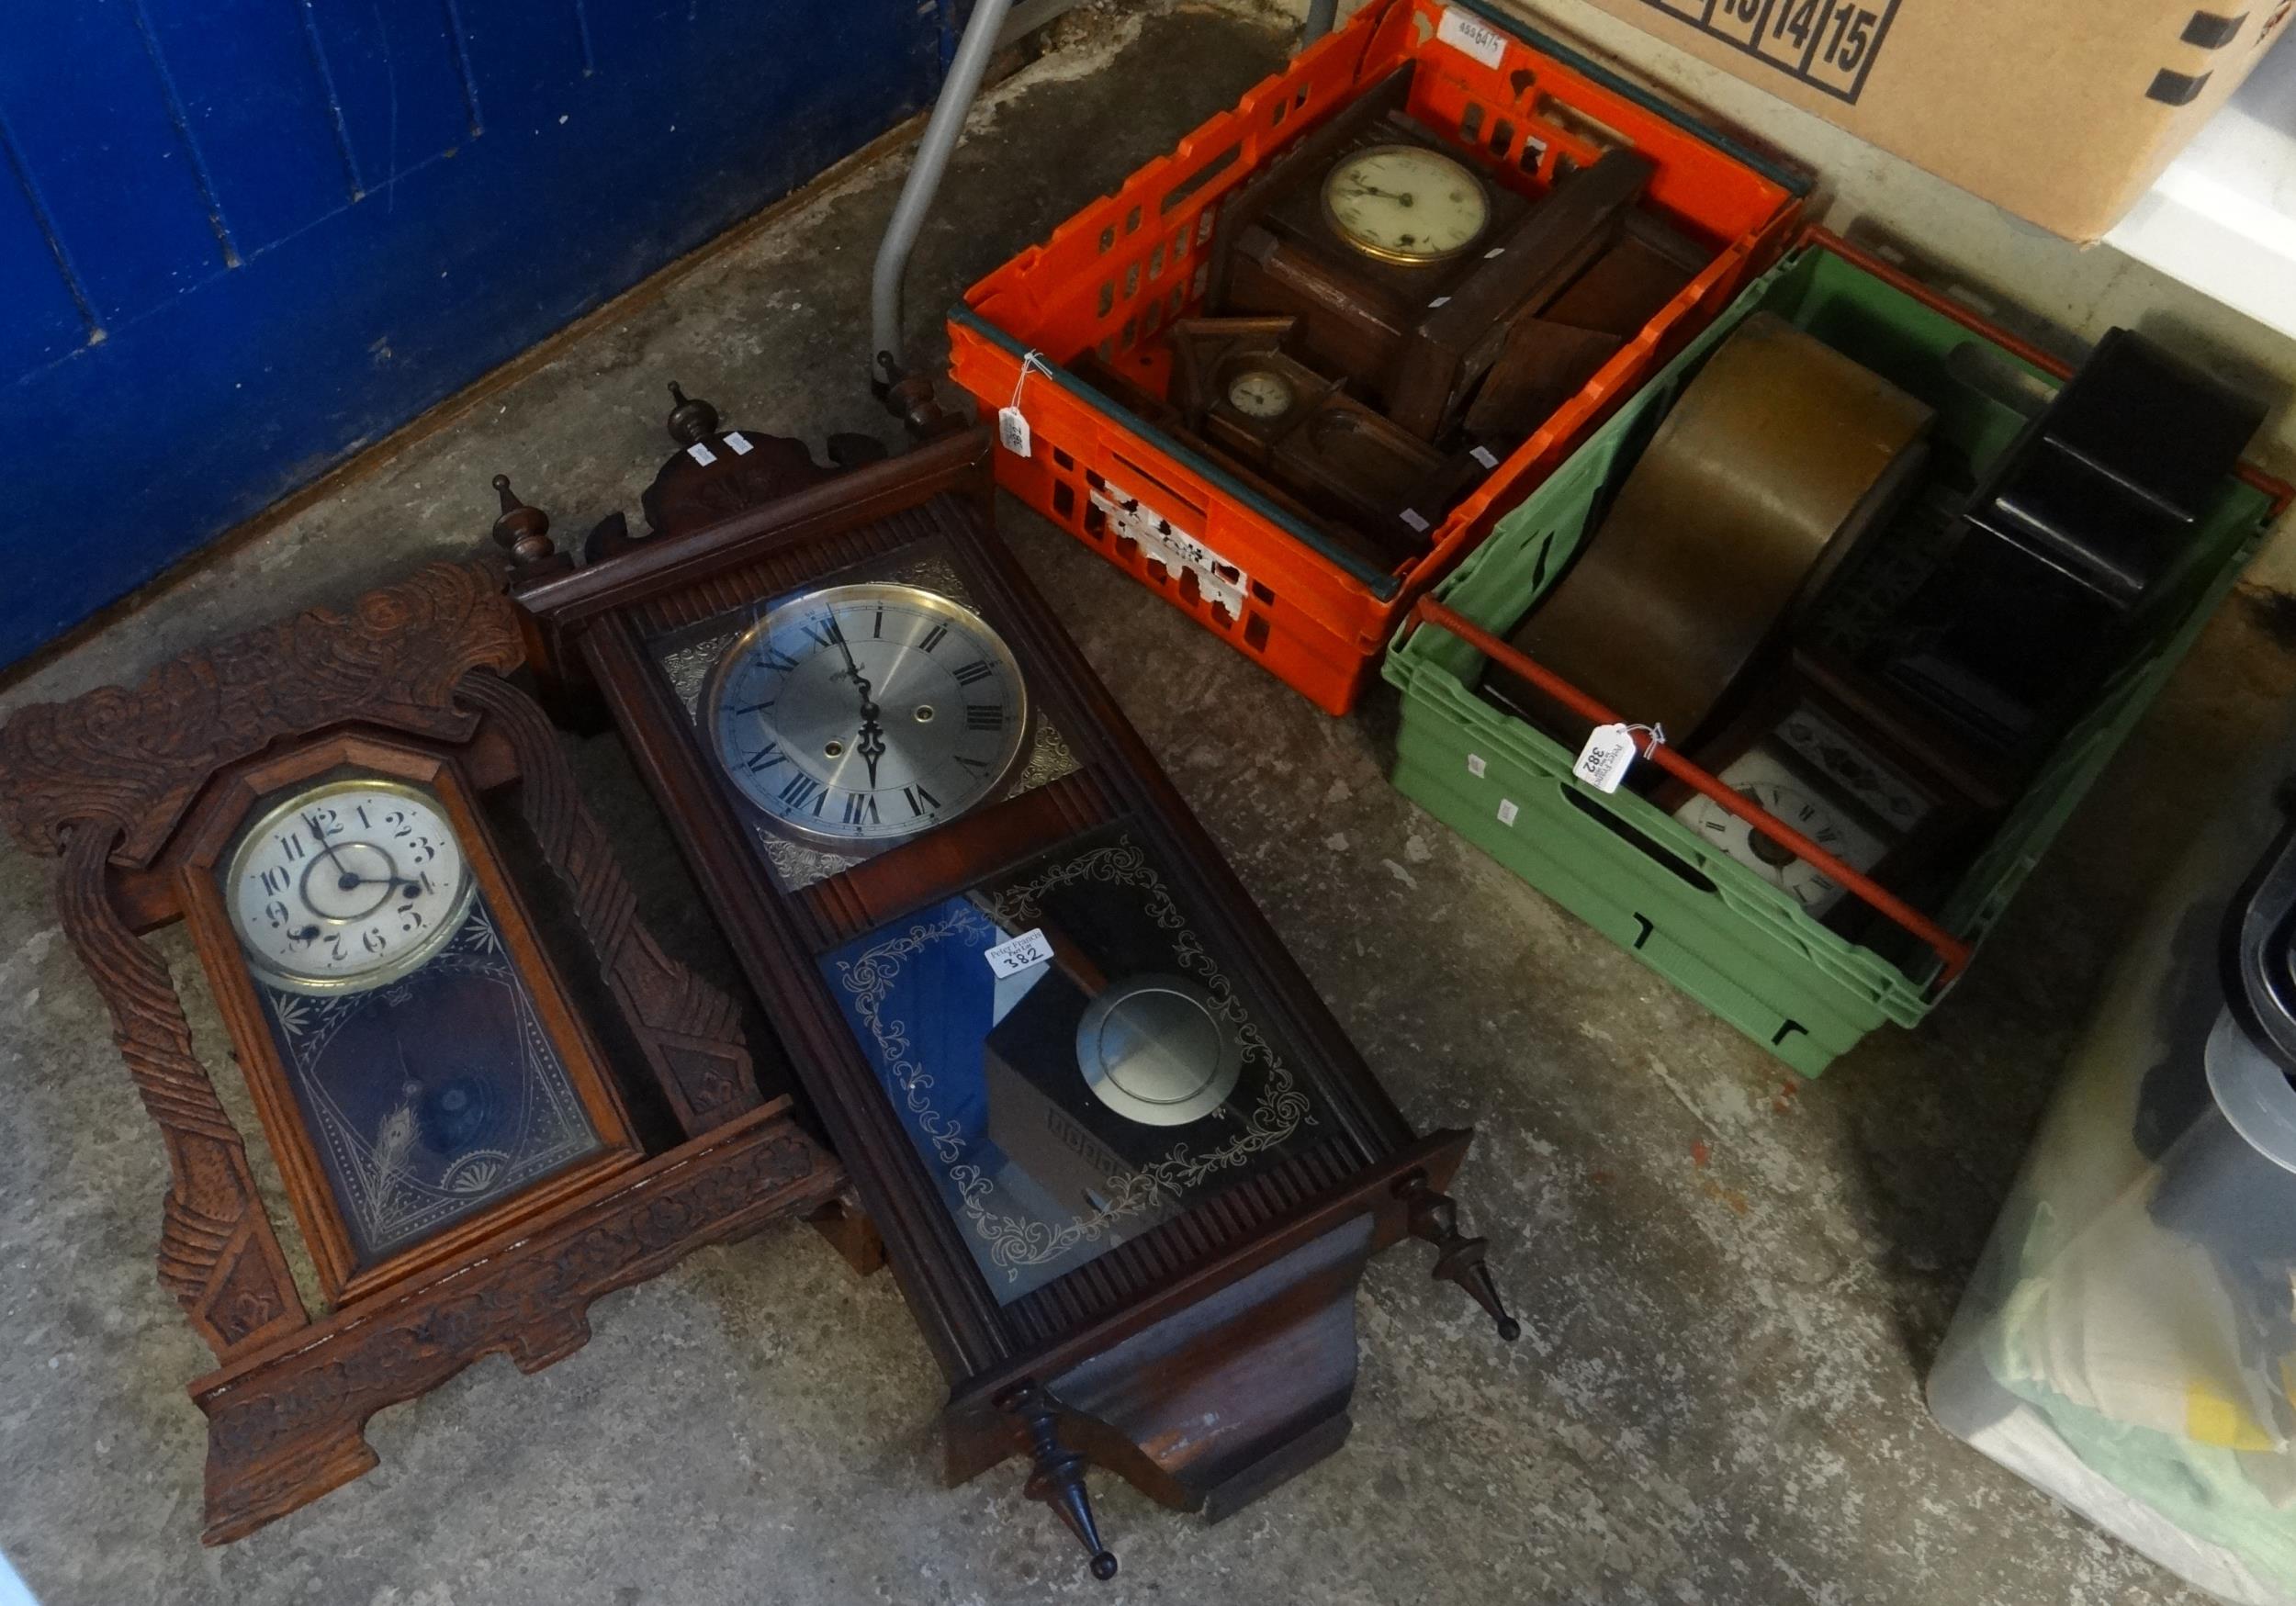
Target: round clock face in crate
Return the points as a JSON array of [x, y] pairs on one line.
[[858, 715], [1406, 204], [347, 885], [1802, 804], [1260, 393]]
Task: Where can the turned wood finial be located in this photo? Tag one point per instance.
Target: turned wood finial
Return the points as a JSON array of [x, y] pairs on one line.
[[1059, 1476], [521, 531], [910, 398], [691, 422], [1458, 1259]]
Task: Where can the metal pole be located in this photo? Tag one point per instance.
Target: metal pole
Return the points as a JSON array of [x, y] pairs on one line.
[[1322, 13], [942, 131]]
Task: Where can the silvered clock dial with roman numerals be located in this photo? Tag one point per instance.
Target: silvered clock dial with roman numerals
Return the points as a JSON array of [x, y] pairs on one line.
[[856, 715]]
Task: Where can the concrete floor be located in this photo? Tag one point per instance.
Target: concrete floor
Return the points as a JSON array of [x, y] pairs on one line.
[[1730, 1283]]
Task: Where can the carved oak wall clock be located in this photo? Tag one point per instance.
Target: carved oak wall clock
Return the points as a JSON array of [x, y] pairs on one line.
[[338, 806], [1127, 1168]]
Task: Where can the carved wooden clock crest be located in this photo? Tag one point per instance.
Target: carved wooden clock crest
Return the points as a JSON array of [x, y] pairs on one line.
[[326, 803], [1127, 1168]]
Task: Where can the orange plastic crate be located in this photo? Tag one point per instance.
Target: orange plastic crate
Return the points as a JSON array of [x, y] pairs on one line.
[[1122, 269]]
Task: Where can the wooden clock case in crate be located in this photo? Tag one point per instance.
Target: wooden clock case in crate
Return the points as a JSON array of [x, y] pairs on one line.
[[1234, 1307], [141, 793]]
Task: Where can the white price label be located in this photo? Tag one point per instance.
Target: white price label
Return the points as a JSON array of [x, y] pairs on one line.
[[1507, 811], [701, 452], [1475, 765], [740, 443], [1013, 431], [1009, 958], [1472, 35], [1413, 517], [1609, 753], [1485, 455]]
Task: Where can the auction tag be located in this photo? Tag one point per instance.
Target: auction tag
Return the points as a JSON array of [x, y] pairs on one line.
[[1472, 35], [1507, 811], [1013, 431], [701, 452], [739, 442], [1413, 517], [1604, 761], [1009, 958], [1475, 766], [1485, 455]]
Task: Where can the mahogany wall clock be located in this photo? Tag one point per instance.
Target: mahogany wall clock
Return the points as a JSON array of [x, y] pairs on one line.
[[342, 808], [1127, 1168]]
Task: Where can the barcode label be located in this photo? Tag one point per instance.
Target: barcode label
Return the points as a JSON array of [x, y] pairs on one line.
[[701, 452], [740, 443], [1472, 35], [1829, 45]]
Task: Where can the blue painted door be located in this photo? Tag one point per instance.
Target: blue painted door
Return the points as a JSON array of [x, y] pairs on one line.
[[240, 239]]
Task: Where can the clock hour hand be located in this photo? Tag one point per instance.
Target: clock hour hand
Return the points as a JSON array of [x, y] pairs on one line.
[[414, 889]]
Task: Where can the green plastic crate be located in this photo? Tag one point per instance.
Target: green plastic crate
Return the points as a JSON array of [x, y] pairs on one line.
[[1740, 946]]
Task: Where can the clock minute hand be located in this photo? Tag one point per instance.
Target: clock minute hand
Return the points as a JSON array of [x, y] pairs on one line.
[[343, 877]]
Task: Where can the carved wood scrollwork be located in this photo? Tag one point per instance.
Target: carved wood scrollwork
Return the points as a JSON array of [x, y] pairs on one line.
[[284, 1442], [218, 1255], [689, 1031], [131, 759]]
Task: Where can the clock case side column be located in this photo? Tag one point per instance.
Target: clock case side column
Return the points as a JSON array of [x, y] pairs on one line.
[[219, 1255], [688, 1031]]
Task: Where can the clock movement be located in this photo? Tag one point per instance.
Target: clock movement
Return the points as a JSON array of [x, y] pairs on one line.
[[480, 1120], [1127, 1169]]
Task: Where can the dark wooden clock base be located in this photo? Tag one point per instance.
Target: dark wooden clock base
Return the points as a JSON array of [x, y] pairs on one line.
[[1204, 1401]]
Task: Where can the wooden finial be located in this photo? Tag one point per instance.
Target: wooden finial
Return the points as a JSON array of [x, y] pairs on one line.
[[1458, 1259], [691, 422], [521, 531], [1059, 1476]]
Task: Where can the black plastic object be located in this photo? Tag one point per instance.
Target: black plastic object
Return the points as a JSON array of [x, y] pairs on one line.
[[2108, 483], [2259, 951], [2074, 531]]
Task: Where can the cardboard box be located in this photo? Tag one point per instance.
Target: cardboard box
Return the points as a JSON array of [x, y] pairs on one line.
[[2062, 111]]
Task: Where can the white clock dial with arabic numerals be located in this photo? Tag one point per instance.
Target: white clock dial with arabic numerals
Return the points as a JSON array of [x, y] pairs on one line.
[[1406, 204], [1772, 787], [860, 714], [1260, 393], [346, 885]]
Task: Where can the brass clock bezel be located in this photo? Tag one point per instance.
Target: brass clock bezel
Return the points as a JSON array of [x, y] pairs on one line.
[[1356, 243], [406, 964], [926, 601]]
